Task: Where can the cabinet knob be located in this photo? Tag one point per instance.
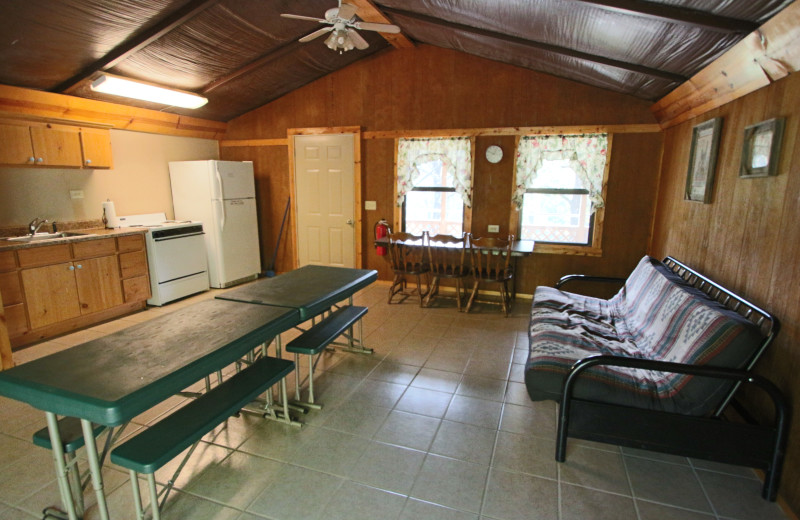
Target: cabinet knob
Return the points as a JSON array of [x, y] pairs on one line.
[[80, 266], [72, 268], [88, 161], [31, 159], [40, 160]]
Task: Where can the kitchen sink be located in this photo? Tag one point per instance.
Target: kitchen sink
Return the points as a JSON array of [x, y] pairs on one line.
[[38, 237]]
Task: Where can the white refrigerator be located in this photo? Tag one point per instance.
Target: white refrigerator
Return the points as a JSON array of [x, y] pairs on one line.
[[221, 194]]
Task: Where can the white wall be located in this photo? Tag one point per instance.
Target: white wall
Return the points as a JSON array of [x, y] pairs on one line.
[[138, 183]]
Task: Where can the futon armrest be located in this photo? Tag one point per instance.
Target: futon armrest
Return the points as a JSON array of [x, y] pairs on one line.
[[586, 278], [740, 376]]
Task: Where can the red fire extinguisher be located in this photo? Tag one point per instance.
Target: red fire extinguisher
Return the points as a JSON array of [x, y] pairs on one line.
[[381, 231]]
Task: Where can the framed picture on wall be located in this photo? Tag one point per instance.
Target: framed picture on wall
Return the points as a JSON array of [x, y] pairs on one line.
[[703, 160], [761, 150]]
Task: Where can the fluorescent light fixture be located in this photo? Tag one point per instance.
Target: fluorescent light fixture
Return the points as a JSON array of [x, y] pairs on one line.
[[137, 90]]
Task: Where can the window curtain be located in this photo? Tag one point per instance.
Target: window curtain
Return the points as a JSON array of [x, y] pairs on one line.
[[586, 155], [455, 154]]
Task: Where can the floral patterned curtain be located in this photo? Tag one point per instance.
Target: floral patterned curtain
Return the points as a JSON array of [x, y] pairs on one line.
[[454, 153], [586, 155]]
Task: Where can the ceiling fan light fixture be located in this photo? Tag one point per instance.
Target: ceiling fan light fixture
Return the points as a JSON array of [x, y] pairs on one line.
[[117, 86], [340, 41]]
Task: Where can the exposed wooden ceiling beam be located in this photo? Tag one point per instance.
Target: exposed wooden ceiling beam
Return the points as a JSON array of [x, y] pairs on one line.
[[368, 12], [680, 15], [141, 40], [564, 51]]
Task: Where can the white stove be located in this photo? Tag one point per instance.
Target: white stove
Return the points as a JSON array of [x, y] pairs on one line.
[[176, 256]]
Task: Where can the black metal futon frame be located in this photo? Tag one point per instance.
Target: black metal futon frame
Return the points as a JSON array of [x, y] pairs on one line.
[[712, 438]]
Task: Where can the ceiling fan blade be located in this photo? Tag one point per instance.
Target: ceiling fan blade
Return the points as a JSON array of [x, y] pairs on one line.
[[300, 17], [357, 40], [347, 11], [380, 27], [315, 34]]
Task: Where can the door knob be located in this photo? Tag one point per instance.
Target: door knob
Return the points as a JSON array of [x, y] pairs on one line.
[[349, 222]]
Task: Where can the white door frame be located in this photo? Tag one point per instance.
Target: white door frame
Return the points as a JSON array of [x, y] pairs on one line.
[[357, 214]]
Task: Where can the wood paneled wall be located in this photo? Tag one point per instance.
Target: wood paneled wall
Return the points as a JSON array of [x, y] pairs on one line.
[[428, 88], [748, 237]]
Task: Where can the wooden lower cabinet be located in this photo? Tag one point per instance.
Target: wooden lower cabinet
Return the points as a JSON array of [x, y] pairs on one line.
[[50, 290], [98, 284], [51, 294]]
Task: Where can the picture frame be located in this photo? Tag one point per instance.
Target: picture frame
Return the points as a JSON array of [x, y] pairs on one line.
[[761, 149], [703, 160]]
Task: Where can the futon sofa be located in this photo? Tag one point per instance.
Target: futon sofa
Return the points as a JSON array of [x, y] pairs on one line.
[[655, 366]]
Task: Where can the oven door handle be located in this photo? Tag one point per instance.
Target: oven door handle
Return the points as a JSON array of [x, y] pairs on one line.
[[178, 236]]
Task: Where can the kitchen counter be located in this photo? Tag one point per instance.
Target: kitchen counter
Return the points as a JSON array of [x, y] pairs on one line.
[[85, 234]]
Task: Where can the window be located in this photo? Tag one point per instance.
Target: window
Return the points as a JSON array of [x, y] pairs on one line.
[[559, 188], [434, 184]]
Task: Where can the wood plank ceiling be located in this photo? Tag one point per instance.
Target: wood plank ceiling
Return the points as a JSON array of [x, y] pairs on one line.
[[241, 54]]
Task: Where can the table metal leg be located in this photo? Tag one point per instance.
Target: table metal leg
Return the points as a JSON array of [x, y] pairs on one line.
[[94, 467], [61, 467]]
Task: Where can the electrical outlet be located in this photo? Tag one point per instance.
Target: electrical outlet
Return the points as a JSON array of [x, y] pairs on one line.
[[494, 228], [76, 194], [370, 205]]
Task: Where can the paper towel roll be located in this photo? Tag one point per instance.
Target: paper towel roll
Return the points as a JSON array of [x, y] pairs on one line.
[[110, 214]]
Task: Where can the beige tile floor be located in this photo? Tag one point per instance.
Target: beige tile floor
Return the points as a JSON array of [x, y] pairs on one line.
[[436, 424]]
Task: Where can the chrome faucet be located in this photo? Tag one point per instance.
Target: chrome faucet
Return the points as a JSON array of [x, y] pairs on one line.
[[35, 224]]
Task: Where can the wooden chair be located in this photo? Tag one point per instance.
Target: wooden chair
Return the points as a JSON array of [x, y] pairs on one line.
[[407, 257], [447, 259], [491, 263]]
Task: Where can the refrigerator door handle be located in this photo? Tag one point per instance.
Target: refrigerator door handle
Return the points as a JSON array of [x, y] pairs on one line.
[[219, 184], [221, 218]]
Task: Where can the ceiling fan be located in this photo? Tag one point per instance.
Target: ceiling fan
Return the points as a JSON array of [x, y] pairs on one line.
[[343, 25]]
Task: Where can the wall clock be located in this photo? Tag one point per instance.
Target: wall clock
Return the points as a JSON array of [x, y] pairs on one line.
[[494, 154]]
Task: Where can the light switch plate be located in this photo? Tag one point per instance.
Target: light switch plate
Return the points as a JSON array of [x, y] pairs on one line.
[[76, 194], [370, 204], [494, 228]]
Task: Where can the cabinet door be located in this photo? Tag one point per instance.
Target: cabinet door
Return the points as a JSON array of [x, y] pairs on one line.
[[55, 145], [99, 285], [96, 148], [51, 294], [17, 148]]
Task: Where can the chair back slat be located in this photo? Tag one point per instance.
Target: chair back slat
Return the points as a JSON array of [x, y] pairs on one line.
[[447, 255], [407, 252], [491, 265]]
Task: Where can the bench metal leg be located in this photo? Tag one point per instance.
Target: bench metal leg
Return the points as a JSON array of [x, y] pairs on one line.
[[154, 505], [137, 497], [61, 468], [355, 345], [94, 467]]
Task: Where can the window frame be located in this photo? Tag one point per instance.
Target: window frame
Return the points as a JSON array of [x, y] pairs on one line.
[[595, 246], [398, 219]]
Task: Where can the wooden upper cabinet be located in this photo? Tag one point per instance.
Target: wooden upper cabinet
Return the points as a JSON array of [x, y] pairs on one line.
[[53, 145], [17, 148], [56, 145], [96, 148]]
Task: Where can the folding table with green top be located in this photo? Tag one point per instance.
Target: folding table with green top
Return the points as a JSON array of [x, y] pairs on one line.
[[311, 290], [111, 380]]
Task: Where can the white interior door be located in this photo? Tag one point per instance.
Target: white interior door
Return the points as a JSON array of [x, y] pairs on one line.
[[325, 197]]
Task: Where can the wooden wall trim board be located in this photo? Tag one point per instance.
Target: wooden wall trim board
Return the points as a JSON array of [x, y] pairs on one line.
[[6, 359], [518, 130], [763, 57], [60, 107]]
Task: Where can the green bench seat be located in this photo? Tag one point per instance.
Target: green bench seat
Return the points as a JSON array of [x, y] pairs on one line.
[[317, 338], [161, 442]]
